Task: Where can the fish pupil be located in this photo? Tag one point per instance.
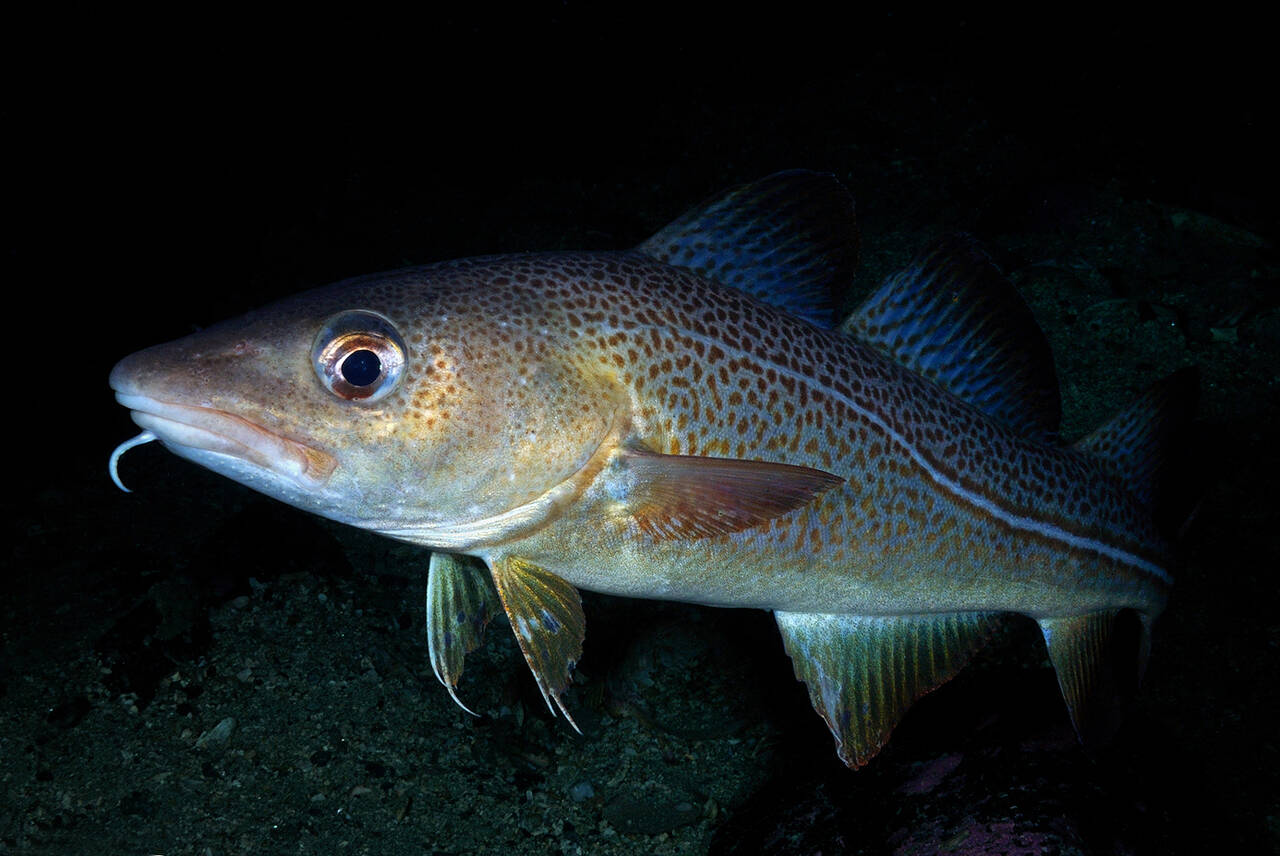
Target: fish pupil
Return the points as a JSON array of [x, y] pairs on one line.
[[361, 368]]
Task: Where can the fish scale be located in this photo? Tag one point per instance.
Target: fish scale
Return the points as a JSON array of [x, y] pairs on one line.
[[853, 400], [686, 421]]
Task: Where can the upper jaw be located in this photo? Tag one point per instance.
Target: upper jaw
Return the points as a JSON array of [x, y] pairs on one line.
[[207, 429]]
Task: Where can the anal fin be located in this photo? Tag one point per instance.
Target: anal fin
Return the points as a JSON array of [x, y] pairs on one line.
[[1089, 657], [546, 616], [460, 604], [863, 672]]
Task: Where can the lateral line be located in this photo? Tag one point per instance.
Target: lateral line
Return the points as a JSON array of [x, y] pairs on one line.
[[1016, 521]]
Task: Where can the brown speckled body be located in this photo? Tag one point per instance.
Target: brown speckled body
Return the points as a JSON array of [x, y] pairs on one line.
[[523, 370], [710, 371], [630, 423]]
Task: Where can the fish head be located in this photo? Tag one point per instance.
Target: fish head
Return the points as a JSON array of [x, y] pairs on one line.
[[431, 404]]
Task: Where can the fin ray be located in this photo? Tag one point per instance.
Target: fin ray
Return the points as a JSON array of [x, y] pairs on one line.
[[952, 316], [546, 615], [1082, 651], [863, 672], [789, 239], [460, 604], [685, 496], [1135, 442]]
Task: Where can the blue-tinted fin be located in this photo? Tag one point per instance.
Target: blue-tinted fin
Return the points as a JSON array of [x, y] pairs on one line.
[[953, 317], [864, 671], [790, 239], [1135, 442]]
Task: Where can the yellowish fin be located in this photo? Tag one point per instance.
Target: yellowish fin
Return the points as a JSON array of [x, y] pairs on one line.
[[864, 671], [1096, 670], [460, 604], [546, 616]]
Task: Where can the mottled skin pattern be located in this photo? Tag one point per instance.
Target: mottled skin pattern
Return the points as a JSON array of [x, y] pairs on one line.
[[710, 371], [525, 373]]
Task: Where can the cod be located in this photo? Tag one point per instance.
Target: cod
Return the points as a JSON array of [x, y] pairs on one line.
[[689, 420]]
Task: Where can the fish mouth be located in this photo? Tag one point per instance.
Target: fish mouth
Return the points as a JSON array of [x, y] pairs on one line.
[[190, 429]]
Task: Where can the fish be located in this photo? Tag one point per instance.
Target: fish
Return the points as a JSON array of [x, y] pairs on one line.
[[691, 420]]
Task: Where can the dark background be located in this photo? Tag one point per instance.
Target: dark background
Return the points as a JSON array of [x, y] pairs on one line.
[[196, 165], [163, 173]]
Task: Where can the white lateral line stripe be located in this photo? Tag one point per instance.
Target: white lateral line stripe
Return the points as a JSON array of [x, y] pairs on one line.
[[1026, 524]]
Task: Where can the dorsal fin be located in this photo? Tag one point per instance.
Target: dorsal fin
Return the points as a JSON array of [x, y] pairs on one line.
[[790, 239], [952, 316], [1135, 442]]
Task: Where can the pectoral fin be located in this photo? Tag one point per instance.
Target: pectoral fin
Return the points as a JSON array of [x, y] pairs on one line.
[[863, 672], [460, 603], [686, 496], [546, 616]]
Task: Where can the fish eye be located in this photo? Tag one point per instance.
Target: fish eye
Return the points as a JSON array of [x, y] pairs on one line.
[[361, 368], [358, 356]]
